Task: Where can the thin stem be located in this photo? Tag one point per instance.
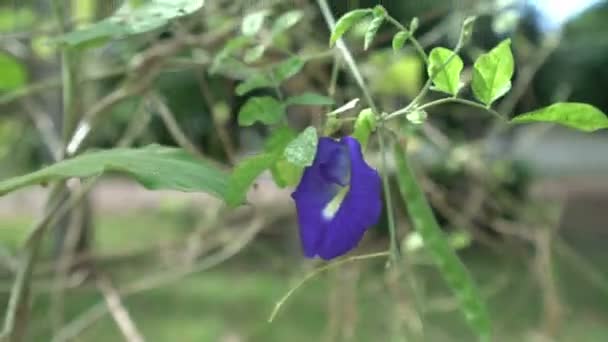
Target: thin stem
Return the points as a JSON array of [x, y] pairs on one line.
[[411, 37], [444, 101], [316, 272], [352, 65]]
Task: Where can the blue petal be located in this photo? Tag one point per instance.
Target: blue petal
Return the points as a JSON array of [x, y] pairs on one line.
[[313, 193], [335, 163]]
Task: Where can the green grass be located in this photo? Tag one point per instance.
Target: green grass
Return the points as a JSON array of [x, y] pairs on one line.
[[236, 298]]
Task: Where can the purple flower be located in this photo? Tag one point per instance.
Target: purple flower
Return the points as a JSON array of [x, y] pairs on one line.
[[337, 199]]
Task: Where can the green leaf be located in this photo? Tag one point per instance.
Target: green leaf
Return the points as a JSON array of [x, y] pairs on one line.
[[255, 81], [451, 268], [301, 151], [13, 73], [264, 109], [154, 166], [399, 40], [364, 126], [128, 21], [446, 77], [286, 21], [287, 69], [252, 23], [581, 116], [310, 99], [253, 54], [492, 73], [371, 31], [244, 174], [283, 172], [346, 22]]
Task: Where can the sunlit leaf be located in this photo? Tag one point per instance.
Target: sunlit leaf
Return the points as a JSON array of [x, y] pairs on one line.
[[310, 99], [264, 109], [128, 21], [581, 116], [252, 23], [154, 166], [253, 54], [446, 77], [492, 73], [346, 22], [301, 151], [286, 21], [345, 107]]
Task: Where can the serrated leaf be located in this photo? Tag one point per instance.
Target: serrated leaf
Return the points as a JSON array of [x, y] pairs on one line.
[[581, 116], [371, 31], [310, 99], [252, 23], [254, 82], [399, 40], [244, 174], [346, 22], [492, 73], [130, 21], [301, 151], [154, 166], [364, 126], [446, 77], [253, 54], [286, 21], [13, 73], [265, 109], [287, 69]]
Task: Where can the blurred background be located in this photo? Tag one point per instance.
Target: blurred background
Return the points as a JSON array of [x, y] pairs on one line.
[[524, 206]]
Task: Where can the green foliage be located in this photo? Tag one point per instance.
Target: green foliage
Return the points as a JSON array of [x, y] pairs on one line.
[[265, 109], [245, 173], [444, 69], [154, 166], [253, 54], [283, 172], [581, 116], [346, 22], [14, 74], [399, 40], [310, 99], [364, 126], [287, 69], [285, 21], [255, 81], [492, 73], [417, 117], [372, 29], [129, 21], [453, 271], [252, 23], [16, 18], [301, 151]]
